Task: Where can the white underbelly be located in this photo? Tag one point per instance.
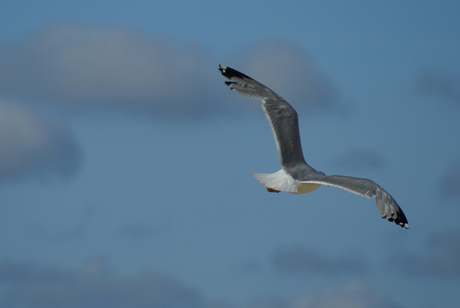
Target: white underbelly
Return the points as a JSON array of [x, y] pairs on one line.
[[303, 188]]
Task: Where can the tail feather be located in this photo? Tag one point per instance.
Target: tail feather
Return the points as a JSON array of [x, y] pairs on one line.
[[278, 181]]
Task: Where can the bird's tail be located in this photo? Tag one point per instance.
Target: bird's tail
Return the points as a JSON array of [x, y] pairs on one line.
[[277, 181]]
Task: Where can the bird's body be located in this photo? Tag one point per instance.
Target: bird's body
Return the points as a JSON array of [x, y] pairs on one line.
[[296, 176]]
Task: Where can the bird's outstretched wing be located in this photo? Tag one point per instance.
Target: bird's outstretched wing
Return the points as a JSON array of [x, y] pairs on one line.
[[281, 116], [386, 205], [284, 124]]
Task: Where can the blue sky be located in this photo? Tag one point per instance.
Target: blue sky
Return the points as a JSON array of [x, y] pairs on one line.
[[125, 161]]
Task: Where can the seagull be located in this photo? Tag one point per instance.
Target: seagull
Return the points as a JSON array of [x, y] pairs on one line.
[[296, 176]]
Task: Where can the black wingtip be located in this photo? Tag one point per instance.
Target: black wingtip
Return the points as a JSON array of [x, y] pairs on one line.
[[400, 220], [230, 72]]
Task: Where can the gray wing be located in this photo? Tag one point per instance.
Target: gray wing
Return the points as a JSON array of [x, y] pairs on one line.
[[281, 116], [386, 205]]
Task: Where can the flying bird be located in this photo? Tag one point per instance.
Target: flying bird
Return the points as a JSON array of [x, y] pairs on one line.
[[296, 176]]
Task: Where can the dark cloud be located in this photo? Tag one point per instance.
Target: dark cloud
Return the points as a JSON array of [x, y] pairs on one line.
[[116, 67], [351, 295], [291, 72], [441, 260], [360, 158], [300, 260], [450, 182], [30, 143], [33, 286], [441, 84]]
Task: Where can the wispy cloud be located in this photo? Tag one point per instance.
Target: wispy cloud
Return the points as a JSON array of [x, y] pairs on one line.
[[441, 260], [30, 143], [301, 260]]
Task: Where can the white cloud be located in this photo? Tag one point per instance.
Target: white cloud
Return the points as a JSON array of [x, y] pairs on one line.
[[30, 143], [87, 66]]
